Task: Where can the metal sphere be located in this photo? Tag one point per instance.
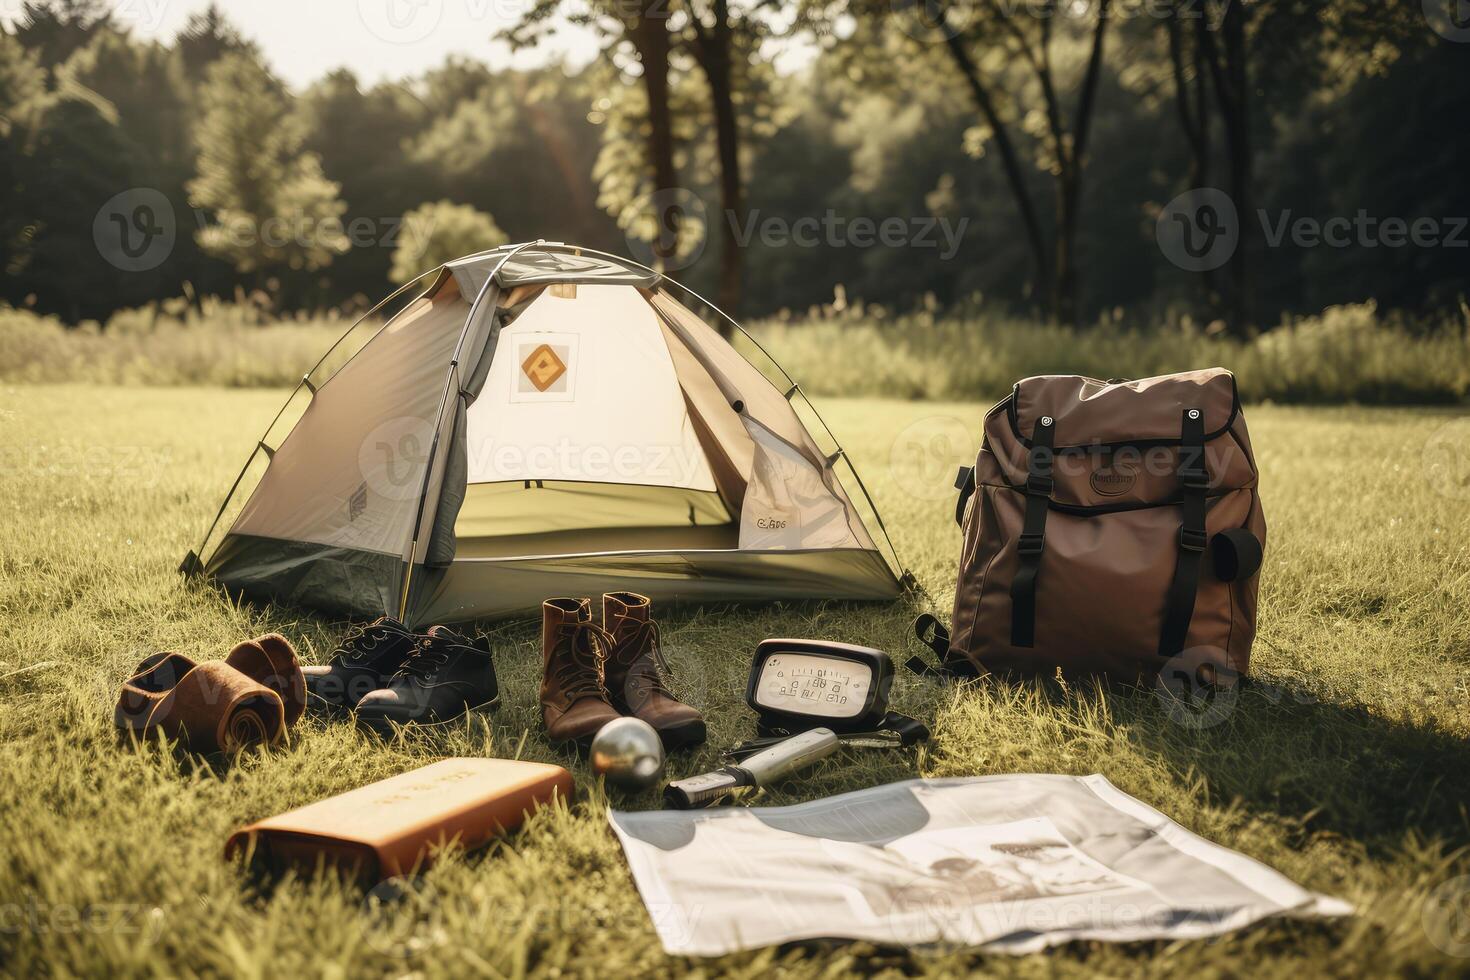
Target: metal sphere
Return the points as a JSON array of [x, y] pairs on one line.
[[628, 753]]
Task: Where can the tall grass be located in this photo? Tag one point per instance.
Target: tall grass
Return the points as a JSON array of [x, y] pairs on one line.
[[1345, 354], [227, 344]]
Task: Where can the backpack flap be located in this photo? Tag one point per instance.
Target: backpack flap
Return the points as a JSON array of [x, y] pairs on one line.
[[1117, 444]]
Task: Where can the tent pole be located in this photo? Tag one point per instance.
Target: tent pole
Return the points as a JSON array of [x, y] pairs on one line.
[[469, 320]]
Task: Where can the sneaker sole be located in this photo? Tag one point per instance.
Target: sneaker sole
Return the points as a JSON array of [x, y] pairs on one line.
[[383, 726]]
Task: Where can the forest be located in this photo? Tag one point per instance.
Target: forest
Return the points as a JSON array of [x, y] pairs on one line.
[[916, 155]]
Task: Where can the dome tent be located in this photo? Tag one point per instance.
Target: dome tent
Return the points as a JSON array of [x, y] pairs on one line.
[[537, 420]]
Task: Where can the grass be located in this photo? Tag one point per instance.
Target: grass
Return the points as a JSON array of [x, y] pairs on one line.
[[229, 344], [1345, 766], [1345, 354]]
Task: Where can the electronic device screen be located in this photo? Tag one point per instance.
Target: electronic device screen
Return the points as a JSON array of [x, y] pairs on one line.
[[811, 684]]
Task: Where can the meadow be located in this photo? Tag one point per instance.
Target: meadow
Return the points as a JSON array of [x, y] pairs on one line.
[[1344, 763]]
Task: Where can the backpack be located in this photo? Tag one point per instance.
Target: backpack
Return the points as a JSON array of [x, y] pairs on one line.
[[1109, 527]]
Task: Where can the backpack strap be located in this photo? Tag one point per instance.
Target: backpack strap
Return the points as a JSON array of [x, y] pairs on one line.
[[964, 482], [1237, 554], [1194, 480], [1033, 533], [932, 634]]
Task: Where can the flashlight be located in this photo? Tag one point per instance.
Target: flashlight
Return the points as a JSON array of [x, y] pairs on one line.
[[752, 774]]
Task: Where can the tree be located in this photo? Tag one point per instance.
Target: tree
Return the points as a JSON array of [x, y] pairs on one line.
[[518, 144], [23, 99], [1020, 65], [138, 88], [207, 37], [637, 40], [725, 40], [1227, 56], [56, 29], [270, 203], [435, 233], [362, 139]]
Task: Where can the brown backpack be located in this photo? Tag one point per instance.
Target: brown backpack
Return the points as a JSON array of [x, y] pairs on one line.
[[1108, 527]]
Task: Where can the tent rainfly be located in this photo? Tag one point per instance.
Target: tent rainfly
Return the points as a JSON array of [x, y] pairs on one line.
[[541, 420]]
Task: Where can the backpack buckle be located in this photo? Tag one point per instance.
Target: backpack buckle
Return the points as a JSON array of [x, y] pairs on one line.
[[1191, 539], [1194, 479], [1030, 545], [1040, 486]]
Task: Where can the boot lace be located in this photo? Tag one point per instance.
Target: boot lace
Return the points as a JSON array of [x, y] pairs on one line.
[[581, 673], [646, 636]]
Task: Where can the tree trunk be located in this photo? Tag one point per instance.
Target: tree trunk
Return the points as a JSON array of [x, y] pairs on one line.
[[1010, 160], [1067, 308], [1193, 106], [1230, 75], [1242, 168], [713, 50], [651, 39]]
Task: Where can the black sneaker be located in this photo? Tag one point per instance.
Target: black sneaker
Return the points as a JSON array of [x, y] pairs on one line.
[[363, 661], [447, 675]]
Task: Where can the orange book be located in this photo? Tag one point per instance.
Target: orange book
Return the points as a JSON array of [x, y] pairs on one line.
[[395, 826]]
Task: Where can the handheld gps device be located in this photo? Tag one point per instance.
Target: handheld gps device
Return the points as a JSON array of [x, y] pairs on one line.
[[797, 685]]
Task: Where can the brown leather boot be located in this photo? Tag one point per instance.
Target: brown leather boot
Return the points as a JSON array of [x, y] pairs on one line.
[[635, 682], [574, 702]]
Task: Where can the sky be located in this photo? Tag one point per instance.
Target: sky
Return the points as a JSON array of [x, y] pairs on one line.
[[378, 39]]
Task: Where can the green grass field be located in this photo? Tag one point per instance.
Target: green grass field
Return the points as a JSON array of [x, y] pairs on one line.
[[1345, 765]]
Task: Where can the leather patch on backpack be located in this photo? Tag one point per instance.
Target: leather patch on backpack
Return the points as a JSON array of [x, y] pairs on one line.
[[1112, 481]]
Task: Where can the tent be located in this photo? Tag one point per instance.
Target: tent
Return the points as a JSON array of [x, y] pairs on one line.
[[538, 420]]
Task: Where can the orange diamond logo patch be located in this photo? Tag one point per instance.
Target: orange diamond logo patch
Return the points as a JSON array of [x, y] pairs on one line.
[[543, 368]]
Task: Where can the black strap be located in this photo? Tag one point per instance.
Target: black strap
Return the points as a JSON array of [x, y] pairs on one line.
[[1194, 480], [933, 635], [893, 731], [1236, 554], [1033, 534], [964, 482]]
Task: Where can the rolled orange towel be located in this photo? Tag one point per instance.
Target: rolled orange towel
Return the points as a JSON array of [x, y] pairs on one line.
[[271, 660], [249, 698]]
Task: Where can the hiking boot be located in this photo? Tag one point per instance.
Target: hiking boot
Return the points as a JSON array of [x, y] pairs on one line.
[[446, 676], [574, 701], [363, 661], [636, 671]]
